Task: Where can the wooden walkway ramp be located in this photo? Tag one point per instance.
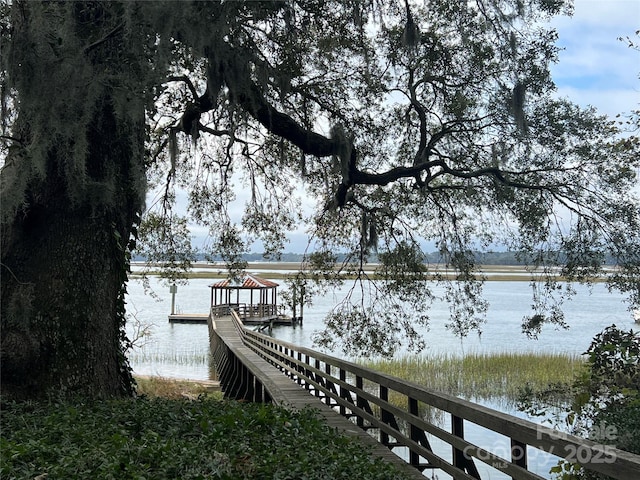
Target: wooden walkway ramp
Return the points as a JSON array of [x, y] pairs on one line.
[[261, 382], [389, 414]]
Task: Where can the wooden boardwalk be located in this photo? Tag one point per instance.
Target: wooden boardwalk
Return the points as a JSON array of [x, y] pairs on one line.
[[282, 391], [356, 400]]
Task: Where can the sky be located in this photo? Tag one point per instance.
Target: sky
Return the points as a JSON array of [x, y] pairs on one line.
[[594, 69]]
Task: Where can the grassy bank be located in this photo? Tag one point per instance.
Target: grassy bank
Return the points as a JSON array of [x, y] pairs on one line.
[[176, 388], [167, 439], [499, 376]]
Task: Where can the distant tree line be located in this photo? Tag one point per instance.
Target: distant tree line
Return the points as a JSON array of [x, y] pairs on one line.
[[481, 258]]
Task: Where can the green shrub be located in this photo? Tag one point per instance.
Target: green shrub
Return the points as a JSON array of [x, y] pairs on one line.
[[608, 393], [606, 399]]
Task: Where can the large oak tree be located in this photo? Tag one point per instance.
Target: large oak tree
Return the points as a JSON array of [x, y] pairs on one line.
[[407, 124]]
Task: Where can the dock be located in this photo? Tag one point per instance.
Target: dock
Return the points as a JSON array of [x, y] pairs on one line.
[[268, 321], [188, 318], [254, 300]]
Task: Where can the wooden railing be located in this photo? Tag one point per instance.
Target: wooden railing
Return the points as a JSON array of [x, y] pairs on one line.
[[259, 311], [395, 412], [244, 310]]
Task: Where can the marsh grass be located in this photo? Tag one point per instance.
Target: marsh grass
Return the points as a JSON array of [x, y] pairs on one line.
[[172, 358], [499, 377]]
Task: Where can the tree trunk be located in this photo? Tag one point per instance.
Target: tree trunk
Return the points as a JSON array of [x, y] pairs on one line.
[[64, 270]]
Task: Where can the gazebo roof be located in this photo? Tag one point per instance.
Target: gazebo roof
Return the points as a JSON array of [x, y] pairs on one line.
[[252, 282]]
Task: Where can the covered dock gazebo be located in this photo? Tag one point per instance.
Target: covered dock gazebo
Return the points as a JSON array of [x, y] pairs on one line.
[[254, 298]]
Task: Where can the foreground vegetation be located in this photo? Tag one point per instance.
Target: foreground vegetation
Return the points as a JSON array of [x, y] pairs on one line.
[[167, 439], [489, 376]]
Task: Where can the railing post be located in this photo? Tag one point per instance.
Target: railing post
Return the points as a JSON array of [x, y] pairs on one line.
[[292, 364], [460, 460], [457, 428], [329, 384], [359, 386], [414, 432], [384, 415], [280, 354], [389, 419], [307, 374], [317, 377], [299, 368], [285, 360], [288, 362], [519, 453], [343, 391]]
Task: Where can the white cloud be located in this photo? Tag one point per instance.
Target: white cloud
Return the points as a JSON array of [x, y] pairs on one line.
[[596, 68], [610, 101]]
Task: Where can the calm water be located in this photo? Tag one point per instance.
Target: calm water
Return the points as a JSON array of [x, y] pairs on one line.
[[182, 350]]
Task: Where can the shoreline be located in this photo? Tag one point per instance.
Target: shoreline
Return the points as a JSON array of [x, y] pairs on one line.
[[284, 270]]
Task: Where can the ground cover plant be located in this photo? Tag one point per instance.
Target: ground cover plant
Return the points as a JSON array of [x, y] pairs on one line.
[[168, 439]]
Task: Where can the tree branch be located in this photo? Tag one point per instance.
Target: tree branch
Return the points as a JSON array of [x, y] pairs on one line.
[[97, 43], [251, 100], [187, 81], [248, 95], [217, 133]]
